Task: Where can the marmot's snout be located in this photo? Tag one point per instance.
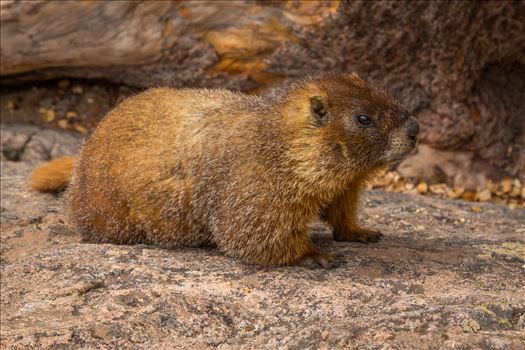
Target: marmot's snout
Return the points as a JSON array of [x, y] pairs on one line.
[[403, 140], [412, 128]]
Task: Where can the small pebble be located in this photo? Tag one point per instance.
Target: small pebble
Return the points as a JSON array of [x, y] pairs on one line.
[[506, 185], [484, 196], [422, 187], [77, 89], [71, 115], [62, 123], [476, 209], [63, 84]]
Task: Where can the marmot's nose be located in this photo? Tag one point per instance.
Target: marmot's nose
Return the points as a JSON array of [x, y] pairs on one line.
[[412, 128]]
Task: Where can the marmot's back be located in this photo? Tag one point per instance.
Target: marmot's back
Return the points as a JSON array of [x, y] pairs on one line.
[[159, 118]]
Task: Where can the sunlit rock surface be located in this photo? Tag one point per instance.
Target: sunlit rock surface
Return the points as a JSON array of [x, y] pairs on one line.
[[445, 276]]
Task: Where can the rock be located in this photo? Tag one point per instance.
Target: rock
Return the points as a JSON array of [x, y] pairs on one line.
[[484, 196], [77, 89], [506, 185], [471, 326], [456, 192], [438, 188], [31, 143], [14, 143], [458, 66], [422, 187], [469, 195], [440, 267]]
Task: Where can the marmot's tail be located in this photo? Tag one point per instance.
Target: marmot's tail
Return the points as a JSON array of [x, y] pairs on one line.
[[53, 176]]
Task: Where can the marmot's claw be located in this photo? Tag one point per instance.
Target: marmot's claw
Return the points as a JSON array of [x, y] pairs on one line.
[[361, 235], [318, 259]]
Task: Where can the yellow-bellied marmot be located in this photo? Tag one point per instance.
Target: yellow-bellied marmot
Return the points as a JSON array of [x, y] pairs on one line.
[[247, 174]]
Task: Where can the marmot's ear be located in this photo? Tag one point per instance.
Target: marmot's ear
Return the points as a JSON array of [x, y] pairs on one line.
[[320, 109], [355, 78]]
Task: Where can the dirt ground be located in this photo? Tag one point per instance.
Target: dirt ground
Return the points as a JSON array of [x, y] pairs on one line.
[[445, 276]]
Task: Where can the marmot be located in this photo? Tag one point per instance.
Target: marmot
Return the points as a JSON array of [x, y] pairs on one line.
[[247, 174]]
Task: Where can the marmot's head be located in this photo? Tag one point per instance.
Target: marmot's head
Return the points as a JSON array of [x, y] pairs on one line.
[[359, 123]]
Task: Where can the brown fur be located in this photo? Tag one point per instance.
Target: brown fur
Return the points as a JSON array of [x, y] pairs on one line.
[[247, 174], [53, 176]]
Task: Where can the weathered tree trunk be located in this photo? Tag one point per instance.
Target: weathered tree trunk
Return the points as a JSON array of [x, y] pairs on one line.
[[460, 67]]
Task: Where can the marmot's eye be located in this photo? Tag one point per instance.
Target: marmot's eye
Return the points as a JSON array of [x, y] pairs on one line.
[[364, 120]]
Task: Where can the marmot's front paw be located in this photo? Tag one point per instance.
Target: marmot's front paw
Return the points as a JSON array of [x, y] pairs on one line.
[[357, 235], [317, 259]]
